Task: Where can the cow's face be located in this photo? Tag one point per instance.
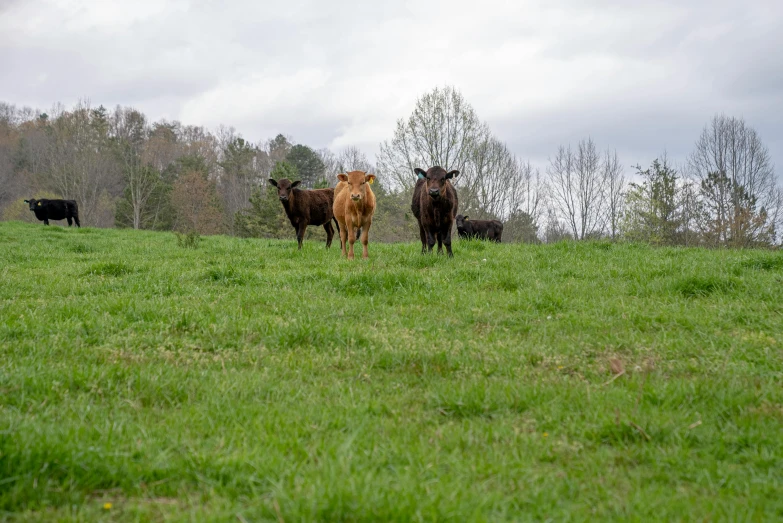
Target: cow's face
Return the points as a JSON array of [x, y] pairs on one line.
[[435, 178], [34, 204], [461, 220], [284, 188], [357, 183]]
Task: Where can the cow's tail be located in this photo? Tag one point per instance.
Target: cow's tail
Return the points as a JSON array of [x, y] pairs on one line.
[[336, 224]]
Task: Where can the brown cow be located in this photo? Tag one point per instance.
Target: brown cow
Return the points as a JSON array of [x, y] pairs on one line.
[[434, 205], [354, 205], [306, 207]]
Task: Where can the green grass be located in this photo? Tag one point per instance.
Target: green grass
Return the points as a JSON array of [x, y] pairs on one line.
[[245, 381]]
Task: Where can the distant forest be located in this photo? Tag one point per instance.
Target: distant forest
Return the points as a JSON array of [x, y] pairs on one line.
[[125, 171]]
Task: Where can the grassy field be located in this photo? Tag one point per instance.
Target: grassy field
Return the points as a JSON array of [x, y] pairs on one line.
[[246, 381]]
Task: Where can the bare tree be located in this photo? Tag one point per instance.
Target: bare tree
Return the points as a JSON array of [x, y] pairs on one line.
[[196, 142], [79, 164], [196, 204], [524, 203], [442, 130], [242, 168], [141, 180], [352, 159], [525, 191], [737, 178], [556, 230], [486, 176], [8, 139], [331, 165], [161, 148], [576, 189], [347, 159], [561, 190], [614, 186]]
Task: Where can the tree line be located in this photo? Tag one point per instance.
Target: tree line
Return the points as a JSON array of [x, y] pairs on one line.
[[126, 171]]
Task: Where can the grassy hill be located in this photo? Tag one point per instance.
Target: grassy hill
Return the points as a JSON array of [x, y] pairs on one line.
[[244, 380]]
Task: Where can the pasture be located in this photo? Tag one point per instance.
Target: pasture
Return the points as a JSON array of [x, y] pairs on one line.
[[246, 381]]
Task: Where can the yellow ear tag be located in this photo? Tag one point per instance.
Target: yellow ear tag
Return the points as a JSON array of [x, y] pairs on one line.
[[372, 180], [39, 204]]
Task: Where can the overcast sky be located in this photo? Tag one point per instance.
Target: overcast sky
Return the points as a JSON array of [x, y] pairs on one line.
[[639, 76]]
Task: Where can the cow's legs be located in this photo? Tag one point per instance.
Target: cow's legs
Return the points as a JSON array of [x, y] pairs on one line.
[[69, 220], [365, 239], [300, 232], [46, 221], [351, 239], [446, 235], [329, 233], [423, 236], [430, 240], [76, 219], [343, 239], [440, 242]]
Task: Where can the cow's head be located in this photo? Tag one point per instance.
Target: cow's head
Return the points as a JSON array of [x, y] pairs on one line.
[[435, 178], [357, 183], [284, 187], [461, 221], [34, 204]]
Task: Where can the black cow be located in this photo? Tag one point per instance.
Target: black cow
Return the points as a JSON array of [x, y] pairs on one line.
[[479, 229], [434, 205], [46, 210]]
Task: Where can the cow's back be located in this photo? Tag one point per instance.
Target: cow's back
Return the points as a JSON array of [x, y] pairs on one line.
[[320, 202], [56, 209]]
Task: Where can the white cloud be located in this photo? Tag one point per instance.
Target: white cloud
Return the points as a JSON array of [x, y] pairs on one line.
[[639, 76]]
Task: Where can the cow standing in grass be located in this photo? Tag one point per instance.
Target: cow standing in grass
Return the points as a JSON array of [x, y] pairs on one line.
[[46, 210], [354, 206], [479, 229], [306, 207], [435, 205]]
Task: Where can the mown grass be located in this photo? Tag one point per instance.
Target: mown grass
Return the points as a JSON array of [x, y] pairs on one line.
[[245, 380]]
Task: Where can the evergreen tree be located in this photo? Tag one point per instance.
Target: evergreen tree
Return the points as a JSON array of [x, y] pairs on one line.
[[309, 166], [653, 208]]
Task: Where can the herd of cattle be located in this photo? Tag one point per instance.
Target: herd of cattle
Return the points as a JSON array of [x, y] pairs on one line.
[[351, 205]]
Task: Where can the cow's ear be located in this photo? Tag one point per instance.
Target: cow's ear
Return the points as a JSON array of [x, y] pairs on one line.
[[420, 172], [369, 178], [27, 201], [465, 218], [451, 174], [272, 182], [295, 183], [342, 177]]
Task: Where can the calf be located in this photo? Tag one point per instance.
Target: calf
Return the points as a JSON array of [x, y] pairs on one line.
[[46, 210], [434, 205], [479, 229], [306, 207], [354, 206]]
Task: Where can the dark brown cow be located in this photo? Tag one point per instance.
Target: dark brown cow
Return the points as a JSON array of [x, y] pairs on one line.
[[479, 229], [434, 205], [306, 207]]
